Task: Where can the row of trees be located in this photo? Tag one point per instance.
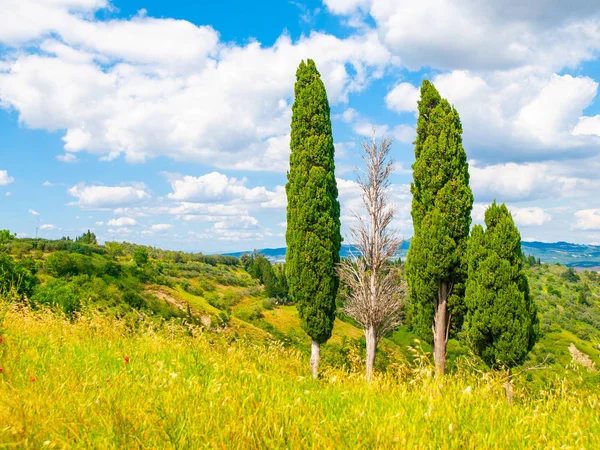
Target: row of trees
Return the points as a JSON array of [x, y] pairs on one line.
[[455, 281]]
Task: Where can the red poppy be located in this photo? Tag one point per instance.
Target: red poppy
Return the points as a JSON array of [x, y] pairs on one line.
[[1, 370], [127, 360], [32, 379], [1, 340]]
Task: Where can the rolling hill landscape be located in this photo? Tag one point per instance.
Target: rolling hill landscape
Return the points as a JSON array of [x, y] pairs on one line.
[[115, 327], [570, 255]]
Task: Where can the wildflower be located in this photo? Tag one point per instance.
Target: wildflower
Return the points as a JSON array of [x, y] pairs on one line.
[[32, 380], [127, 360], [1, 370], [1, 340]]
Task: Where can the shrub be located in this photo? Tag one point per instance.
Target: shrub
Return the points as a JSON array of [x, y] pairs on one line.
[[58, 293], [19, 277], [61, 264]]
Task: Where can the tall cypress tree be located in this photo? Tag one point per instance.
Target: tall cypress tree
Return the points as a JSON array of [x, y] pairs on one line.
[[502, 323], [441, 213], [313, 211]]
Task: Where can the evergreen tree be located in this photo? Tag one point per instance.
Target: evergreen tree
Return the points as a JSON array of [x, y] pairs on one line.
[[441, 212], [502, 324], [313, 211]]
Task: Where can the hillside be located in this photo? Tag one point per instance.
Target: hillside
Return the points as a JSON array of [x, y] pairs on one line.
[[155, 348], [570, 255], [219, 294]]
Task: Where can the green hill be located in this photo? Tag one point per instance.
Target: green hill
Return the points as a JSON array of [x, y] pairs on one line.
[[168, 349]]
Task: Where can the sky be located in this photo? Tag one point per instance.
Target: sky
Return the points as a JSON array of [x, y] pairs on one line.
[[167, 123]]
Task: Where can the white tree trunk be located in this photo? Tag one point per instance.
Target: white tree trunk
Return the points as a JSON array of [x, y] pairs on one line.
[[314, 358], [371, 350]]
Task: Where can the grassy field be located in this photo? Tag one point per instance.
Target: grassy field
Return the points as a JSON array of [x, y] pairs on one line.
[[92, 382]]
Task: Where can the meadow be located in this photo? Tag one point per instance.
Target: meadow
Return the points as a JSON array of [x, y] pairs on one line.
[[100, 348], [93, 382]]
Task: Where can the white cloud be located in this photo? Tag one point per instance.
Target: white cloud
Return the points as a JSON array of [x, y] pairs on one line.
[[100, 224], [122, 222], [148, 98], [482, 35], [67, 157], [587, 220], [345, 7], [278, 199], [33, 212], [47, 226], [48, 184], [527, 217], [5, 178], [522, 216], [403, 98], [161, 227], [521, 115], [401, 133], [8, 194], [512, 182], [99, 197], [214, 187]]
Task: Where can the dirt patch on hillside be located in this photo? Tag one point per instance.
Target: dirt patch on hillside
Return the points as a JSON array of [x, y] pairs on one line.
[[581, 358]]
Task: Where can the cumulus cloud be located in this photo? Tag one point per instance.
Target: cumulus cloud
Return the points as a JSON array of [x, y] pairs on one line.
[[122, 222], [587, 220], [522, 216], [161, 227], [47, 226], [512, 182], [482, 35], [403, 98], [33, 212], [214, 187], [138, 88], [527, 217], [5, 178], [103, 197]]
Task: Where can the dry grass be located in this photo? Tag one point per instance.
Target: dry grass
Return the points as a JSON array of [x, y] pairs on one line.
[[92, 383]]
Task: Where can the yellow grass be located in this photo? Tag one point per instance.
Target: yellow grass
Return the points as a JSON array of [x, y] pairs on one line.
[[66, 384]]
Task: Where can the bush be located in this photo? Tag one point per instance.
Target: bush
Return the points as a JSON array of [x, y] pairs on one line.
[[140, 256], [269, 303], [61, 264], [58, 293], [19, 277]]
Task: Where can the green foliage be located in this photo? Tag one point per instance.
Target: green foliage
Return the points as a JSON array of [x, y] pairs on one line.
[[61, 264], [6, 235], [441, 212], [140, 257], [18, 277], [313, 212], [58, 293], [87, 238], [570, 275], [502, 323], [273, 279]]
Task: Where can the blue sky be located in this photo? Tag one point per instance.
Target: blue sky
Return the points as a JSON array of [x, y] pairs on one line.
[[167, 123]]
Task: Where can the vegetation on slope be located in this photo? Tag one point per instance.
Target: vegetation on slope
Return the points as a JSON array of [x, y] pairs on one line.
[[93, 382]]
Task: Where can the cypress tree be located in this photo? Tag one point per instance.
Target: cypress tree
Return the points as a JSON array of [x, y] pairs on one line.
[[441, 213], [502, 324], [313, 211]]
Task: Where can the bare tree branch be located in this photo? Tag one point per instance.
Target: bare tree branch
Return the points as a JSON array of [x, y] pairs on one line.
[[376, 297]]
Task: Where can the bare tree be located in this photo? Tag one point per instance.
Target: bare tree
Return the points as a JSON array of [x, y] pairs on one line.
[[375, 297]]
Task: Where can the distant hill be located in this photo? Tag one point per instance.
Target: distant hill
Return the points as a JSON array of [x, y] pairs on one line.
[[276, 255], [571, 255]]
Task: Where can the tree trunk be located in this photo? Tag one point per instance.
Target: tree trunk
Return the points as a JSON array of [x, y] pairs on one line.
[[314, 358], [440, 329], [509, 387], [371, 339]]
